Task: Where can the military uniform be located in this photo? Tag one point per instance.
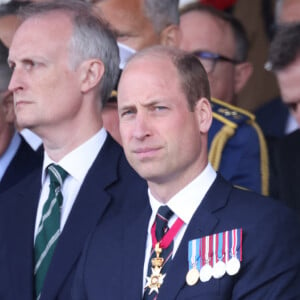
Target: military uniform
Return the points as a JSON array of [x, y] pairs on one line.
[[237, 148]]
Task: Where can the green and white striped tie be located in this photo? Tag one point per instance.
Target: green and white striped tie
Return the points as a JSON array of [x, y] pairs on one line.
[[49, 227]]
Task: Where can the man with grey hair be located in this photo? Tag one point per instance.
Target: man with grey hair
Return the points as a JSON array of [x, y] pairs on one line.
[[137, 24], [142, 23], [65, 63]]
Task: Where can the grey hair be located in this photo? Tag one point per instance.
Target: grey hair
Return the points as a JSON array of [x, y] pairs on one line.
[[192, 76], [91, 38], [162, 13]]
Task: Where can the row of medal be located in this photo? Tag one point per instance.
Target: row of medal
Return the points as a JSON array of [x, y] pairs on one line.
[[213, 256]]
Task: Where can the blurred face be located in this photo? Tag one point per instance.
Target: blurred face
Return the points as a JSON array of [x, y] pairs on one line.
[[290, 11], [111, 120], [6, 119], [288, 80], [8, 26], [206, 33], [45, 88], [163, 140], [128, 19]]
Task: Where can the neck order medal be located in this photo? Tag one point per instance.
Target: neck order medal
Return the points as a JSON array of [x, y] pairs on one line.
[[156, 279]]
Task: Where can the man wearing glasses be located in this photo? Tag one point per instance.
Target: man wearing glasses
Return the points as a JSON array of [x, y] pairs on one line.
[[237, 147]]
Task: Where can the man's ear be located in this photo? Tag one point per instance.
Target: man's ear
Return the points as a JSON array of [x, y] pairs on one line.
[[8, 108], [91, 72], [242, 73], [171, 36], [204, 114]]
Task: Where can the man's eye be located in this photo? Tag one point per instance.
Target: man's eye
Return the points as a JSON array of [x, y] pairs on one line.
[[159, 108], [29, 64], [12, 66], [126, 113]]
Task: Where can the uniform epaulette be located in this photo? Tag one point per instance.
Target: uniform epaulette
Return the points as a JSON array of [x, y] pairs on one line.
[[229, 114], [232, 117]]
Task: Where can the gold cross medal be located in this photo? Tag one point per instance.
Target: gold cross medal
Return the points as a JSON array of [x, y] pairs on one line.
[[156, 279]]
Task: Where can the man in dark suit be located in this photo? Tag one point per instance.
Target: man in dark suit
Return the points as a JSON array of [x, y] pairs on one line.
[[216, 241], [17, 159], [65, 63], [284, 61]]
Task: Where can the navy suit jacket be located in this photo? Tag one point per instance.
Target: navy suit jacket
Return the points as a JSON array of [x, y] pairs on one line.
[[285, 166], [110, 188], [24, 162], [272, 118], [270, 267]]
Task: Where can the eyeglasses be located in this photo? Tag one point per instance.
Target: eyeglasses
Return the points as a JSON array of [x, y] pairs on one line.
[[210, 59]]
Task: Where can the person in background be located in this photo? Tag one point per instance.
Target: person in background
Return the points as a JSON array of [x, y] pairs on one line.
[[287, 11], [17, 159], [65, 63], [237, 146], [110, 111], [9, 23], [199, 237], [275, 119], [137, 24], [284, 61]]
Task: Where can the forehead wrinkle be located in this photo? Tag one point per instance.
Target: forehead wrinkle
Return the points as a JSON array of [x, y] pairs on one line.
[[24, 40]]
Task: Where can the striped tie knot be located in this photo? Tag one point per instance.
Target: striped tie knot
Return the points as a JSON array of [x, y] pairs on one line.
[[163, 216], [57, 176]]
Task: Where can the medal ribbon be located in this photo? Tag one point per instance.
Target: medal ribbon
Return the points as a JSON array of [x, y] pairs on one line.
[[168, 237], [194, 254], [235, 243]]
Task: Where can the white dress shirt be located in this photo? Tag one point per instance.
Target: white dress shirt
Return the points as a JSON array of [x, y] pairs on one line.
[[291, 124], [76, 163], [9, 154], [183, 204], [31, 138]]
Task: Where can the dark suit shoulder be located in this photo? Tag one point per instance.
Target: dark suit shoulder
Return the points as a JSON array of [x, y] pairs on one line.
[[24, 162]]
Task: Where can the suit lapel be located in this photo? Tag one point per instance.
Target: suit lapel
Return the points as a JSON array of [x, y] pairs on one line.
[[202, 224], [20, 235], [89, 207], [134, 255]]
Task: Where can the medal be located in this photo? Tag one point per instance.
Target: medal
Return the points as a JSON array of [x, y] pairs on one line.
[[219, 269], [205, 273], [206, 269], [233, 266], [156, 279], [235, 245], [192, 276]]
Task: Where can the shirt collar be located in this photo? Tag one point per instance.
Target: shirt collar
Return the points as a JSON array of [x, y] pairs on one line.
[[185, 202], [9, 153], [78, 161]]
